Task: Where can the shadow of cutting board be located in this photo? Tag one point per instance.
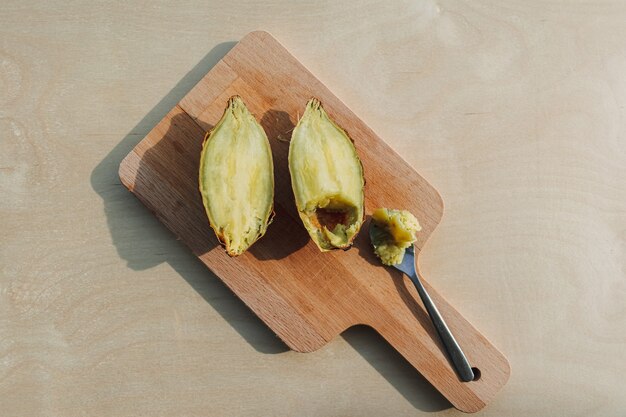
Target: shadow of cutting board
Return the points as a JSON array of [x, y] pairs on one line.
[[306, 297]]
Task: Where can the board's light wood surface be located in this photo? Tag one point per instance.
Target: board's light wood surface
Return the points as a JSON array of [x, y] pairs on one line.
[[513, 111]]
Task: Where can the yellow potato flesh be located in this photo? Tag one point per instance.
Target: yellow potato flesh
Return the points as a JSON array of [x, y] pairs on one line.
[[237, 178], [395, 231]]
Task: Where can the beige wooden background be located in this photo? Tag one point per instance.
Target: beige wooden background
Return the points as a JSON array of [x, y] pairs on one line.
[[515, 111]]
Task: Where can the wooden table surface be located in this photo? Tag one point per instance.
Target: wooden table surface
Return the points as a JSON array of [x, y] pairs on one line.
[[514, 111]]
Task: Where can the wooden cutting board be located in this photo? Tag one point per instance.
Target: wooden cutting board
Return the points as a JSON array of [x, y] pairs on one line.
[[306, 297]]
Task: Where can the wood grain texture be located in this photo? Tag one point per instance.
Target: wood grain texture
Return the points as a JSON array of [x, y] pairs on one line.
[[513, 110], [306, 297]]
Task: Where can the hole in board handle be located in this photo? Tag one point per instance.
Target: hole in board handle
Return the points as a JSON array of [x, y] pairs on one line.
[[476, 373]]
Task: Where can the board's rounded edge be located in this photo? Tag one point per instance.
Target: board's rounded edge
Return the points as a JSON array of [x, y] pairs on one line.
[[124, 170], [260, 33], [302, 345]]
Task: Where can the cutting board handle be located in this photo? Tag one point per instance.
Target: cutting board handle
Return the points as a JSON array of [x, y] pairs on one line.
[[411, 332]]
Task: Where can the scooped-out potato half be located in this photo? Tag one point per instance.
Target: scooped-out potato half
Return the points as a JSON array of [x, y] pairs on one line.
[[327, 179], [237, 178]]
